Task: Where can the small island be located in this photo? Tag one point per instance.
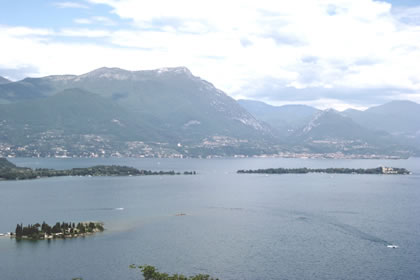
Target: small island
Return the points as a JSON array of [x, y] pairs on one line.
[[304, 170], [9, 171], [58, 231]]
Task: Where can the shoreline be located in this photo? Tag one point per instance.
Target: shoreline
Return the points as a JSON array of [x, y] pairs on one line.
[[54, 237], [336, 155]]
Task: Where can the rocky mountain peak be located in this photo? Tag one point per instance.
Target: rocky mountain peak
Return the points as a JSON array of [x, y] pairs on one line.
[[121, 74], [107, 73], [328, 115], [174, 70]]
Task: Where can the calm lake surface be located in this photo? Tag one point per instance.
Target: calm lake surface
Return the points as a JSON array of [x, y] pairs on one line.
[[238, 226]]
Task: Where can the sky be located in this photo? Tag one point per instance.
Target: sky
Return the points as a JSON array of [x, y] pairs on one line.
[[324, 53]]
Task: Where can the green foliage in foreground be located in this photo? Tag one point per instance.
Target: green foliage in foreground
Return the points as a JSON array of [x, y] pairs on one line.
[[151, 273]]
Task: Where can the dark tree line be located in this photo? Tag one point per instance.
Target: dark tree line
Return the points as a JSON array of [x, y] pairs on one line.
[[38, 231], [12, 172], [304, 170]]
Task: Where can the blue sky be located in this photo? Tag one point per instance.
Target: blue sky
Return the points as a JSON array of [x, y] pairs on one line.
[[54, 14], [325, 53]]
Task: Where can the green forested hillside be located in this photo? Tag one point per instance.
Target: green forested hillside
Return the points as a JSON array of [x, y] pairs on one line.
[[72, 111]]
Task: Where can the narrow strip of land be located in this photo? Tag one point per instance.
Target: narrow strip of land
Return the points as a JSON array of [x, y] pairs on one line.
[[9, 171], [304, 170]]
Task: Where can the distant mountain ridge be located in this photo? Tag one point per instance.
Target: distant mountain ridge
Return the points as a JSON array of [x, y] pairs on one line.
[[4, 80], [284, 119], [330, 131], [372, 131], [399, 116]]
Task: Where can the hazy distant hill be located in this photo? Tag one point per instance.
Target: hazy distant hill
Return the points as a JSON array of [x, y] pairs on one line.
[[3, 80], [331, 124], [304, 128], [329, 131], [284, 119], [394, 117], [26, 89], [400, 118]]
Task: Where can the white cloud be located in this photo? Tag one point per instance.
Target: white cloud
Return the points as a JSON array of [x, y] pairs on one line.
[[83, 21], [22, 31], [84, 32], [281, 34], [103, 20], [71, 5], [325, 103], [96, 20], [353, 44]]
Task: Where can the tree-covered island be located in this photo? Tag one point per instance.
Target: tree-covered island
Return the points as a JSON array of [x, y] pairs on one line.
[[9, 171], [58, 231], [304, 170]]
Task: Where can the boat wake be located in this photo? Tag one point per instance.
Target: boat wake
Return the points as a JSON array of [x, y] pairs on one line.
[[107, 209], [345, 228], [358, 233]]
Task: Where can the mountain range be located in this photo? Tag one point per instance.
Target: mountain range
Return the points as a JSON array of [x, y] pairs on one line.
[[390, 128], [110, 111], [284, 120], [395, 117], [170, 112]]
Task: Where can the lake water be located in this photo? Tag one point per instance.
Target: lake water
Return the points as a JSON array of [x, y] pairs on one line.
[[237, 226]]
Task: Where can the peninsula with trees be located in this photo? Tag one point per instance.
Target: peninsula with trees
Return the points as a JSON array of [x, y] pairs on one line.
[[58, 231], [9, 171], [304, 170]]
